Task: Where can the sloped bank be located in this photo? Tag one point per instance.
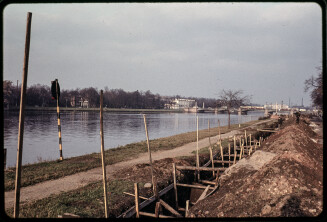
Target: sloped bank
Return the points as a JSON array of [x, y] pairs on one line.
[[283, 179]]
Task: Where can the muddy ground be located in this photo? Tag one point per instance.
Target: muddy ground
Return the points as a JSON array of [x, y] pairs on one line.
[[287, 182], [282, 179]]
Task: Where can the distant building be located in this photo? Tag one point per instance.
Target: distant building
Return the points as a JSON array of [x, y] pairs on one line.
[[180, 104], [273, 106]]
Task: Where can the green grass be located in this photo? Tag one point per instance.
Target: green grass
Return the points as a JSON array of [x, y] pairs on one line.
[[39, 172], [85, 202]]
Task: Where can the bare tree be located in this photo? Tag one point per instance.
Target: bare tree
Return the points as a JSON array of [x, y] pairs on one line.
[[232, 99], [316, 85]]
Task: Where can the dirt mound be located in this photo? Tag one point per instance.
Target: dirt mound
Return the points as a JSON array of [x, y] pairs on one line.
[[283, 179]]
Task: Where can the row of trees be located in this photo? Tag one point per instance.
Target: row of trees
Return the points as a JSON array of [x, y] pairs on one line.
[[40, 95]]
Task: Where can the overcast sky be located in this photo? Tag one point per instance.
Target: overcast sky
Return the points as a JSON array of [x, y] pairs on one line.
[[189, 49]]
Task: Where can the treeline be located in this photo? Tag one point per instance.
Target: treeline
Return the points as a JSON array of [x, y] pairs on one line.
[[40, 95]]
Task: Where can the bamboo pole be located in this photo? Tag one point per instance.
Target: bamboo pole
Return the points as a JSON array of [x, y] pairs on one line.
[[241, 152], [103, 158], [212, 162], [59, 124], [21, 116], [149, 151], [175, 185], [137, 200], [197, 146]]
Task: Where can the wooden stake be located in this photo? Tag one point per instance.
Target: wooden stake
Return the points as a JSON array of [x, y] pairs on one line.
[[21, 116], [103, 158], [241, 152], [219, 131], [155, 187], [212, 163], [197, 146], [209, 132], [229, 154], [222, 153], [137, 200], [250, 141], [187, 207], [246, 138], [157, 209], [149, 151], [175, 185]]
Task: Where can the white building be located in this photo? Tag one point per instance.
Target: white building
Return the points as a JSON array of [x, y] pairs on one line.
[[182, 103], [273, 106]]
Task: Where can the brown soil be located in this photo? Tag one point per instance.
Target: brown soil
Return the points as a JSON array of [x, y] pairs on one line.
[[286, 183]]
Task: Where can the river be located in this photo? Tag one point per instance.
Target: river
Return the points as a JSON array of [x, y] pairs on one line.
[[81, 131]]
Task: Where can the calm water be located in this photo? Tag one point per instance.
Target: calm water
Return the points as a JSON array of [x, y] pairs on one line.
[[81, 131]]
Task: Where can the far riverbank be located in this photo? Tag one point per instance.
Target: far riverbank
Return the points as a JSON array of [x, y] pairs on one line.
[[31, 108]]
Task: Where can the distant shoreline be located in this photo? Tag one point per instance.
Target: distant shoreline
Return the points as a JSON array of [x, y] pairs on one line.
[[30, 108]]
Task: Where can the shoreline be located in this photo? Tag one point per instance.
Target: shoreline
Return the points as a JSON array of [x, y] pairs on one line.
[[48, 170]]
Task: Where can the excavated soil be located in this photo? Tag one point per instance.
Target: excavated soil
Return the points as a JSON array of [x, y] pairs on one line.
[[282, 179]]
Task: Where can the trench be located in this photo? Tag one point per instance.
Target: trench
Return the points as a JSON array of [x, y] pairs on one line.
[[189, 177]]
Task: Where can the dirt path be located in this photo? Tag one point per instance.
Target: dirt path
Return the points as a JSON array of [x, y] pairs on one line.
[[75, 181]]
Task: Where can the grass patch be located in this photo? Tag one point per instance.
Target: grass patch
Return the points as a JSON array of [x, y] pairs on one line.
[[39, 172], [85, 202]]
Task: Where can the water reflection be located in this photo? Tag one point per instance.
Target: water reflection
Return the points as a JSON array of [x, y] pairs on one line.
[[81, 131]]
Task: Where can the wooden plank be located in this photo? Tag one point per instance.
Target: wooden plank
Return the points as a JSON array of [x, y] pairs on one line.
[[269, 131], [199, 168], [153, 215], [204, 193], [170, 209], [220, 161], [130, 212], [130, 194], [208, 182], [193, 186]]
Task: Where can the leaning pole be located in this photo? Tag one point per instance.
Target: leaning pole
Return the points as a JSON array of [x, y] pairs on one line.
[[21, 116]]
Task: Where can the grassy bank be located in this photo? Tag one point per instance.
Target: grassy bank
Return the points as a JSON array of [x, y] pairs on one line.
[[39, 172]]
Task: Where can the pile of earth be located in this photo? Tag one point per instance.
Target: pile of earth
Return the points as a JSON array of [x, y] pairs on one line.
[[284, 178]]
